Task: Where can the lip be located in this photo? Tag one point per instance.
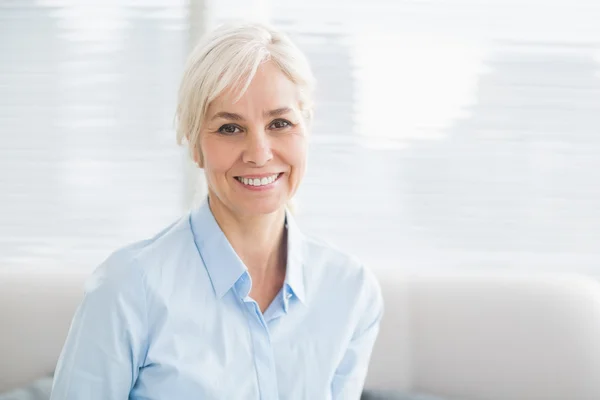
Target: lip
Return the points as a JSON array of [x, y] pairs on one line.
[[259, 176]]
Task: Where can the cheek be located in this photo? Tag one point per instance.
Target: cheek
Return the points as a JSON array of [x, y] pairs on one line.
[[217, 156], [296, 155]]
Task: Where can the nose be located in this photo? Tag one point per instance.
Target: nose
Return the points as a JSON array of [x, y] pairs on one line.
[[258, 148]]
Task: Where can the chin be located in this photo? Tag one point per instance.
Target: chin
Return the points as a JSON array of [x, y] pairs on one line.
[[262, 206]]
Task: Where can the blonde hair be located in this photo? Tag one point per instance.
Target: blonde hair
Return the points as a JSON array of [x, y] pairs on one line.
[[228, 57]]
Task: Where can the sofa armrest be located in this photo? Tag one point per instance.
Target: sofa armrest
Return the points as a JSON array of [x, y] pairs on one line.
[[490, 336]]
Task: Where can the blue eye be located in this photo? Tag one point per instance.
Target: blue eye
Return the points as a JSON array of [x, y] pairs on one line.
[[280, 124], [229, 129]]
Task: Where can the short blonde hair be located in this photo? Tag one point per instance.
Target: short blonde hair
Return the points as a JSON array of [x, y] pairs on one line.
[[228, 57]]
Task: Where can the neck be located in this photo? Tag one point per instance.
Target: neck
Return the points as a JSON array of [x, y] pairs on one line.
[[259, 240]]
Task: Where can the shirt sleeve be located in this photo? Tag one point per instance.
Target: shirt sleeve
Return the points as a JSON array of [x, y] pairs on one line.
[[105, 346], [350, 375]]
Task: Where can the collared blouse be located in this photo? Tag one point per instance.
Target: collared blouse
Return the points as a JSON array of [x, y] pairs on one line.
[[170, 318]]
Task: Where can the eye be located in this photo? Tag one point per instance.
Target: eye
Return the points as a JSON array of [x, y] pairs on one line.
[[229, 129], [280, 124]]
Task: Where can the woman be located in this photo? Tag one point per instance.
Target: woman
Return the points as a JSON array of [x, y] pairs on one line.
[[232, 301]]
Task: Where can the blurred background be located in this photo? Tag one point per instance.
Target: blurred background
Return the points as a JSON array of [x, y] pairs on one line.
[[448, 133]]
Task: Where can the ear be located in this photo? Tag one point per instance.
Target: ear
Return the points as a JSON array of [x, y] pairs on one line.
[[198, 159]]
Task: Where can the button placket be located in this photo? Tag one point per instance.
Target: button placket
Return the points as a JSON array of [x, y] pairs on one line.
[[264, 360]]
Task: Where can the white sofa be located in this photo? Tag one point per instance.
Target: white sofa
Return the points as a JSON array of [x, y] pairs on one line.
[[464, 336]]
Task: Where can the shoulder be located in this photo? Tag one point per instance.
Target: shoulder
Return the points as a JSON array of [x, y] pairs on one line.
[[130, 265], [329, 261], [333, 269]]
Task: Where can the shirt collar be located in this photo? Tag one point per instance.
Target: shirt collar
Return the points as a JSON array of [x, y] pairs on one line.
[[223, 265], [294, 274]]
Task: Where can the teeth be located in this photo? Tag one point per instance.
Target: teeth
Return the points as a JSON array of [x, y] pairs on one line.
[[257, 181]]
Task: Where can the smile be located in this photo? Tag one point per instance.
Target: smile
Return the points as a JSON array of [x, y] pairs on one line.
[[264, 181]]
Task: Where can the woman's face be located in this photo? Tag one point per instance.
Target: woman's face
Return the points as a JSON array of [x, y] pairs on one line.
[[253, 151]]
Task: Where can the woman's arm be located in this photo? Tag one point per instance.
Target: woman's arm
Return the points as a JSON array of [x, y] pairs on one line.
[[107, 340], [350, 375]]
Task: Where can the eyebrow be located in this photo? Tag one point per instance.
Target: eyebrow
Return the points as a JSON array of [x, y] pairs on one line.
[[278, 112], [236, 117], [227, 115]]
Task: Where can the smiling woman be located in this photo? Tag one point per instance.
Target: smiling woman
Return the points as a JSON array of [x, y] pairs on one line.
[[253, 147], [232, 301]]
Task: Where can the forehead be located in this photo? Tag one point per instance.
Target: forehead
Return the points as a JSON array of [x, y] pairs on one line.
[[269, 89]]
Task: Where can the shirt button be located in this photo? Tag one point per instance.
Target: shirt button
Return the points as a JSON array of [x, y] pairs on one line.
[[288, 296]]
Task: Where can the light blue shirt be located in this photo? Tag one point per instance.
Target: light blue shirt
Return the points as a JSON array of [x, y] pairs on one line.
[[170, 318]]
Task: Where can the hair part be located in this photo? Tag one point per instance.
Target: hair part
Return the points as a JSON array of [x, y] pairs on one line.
[[228, 58]]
